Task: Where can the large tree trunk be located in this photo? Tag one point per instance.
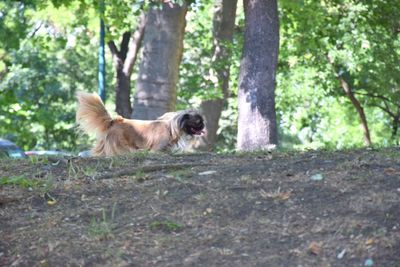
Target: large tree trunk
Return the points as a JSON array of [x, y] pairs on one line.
[[223, 25], [256, 97], [124, 60], [162, 53]]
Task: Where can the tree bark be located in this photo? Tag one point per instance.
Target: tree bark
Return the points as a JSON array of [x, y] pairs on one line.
[[256, 96], [223, 26], [395, 127], [124, 60], [162, 53]]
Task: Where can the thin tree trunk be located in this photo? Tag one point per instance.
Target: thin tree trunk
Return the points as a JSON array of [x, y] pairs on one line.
[[223, 25], [395, 125], [124, 60], [360, 110], [256, 96], [134, 45], [162, 53]]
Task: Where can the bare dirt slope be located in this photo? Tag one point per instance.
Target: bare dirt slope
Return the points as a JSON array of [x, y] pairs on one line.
[[262, 209]]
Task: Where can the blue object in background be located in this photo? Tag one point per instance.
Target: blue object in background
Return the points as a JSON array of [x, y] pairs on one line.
[[102, 60], [11, 150]]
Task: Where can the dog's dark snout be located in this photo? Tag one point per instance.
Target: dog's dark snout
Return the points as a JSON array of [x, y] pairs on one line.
[[199, 122]]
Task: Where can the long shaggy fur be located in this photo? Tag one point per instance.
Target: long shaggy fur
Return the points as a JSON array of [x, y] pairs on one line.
[[173, 130]]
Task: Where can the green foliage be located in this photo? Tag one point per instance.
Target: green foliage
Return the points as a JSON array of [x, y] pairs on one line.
[[37, 94], [360, 38], [20, 181], [48, 50], [197, 73], [195, 81]]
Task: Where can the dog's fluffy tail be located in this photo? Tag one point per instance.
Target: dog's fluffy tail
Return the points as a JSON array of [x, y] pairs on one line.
[[91, 115]]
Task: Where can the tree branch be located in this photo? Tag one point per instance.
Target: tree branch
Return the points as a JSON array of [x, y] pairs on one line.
[[360, 110], [123, 48], [36, 30], [373, 95], [113, 48], [385, 109], [134, 46]]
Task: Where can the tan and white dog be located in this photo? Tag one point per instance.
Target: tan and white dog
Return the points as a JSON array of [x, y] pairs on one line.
[[173, 131]]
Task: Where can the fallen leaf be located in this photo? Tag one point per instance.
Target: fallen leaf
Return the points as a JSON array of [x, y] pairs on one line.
[[369, 241], [315, 248], [51, 202], [391, 171], [285, 195], [276, 194], [50, 199]]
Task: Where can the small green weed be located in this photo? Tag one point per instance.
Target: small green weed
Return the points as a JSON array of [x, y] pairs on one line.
[[102, 229], [89, 171], [180, 175], [47, 185], [140, 176], [75, 170], [166, 226]]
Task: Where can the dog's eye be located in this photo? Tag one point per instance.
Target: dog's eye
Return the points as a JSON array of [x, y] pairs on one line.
[[199, 119], [184, 118]]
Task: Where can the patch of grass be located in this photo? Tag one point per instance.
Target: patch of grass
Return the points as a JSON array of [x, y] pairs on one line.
[[38, 160], [140, 176], [102, 229], [392, 154], [89, 171], [75, 170], [141, 154], [117, 161], [126, 159], [21, 181], [166, 226], [8, 164]]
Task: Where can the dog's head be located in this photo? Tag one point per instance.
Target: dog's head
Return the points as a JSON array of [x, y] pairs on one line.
[[192, 123]]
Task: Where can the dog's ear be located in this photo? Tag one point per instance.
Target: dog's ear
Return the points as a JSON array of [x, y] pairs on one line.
[[185, 117]]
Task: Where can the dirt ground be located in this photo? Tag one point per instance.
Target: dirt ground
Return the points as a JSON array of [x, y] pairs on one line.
[[297, 209]]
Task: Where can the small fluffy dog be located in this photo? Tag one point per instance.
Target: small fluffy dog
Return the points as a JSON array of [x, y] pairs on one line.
[[173, 131]]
